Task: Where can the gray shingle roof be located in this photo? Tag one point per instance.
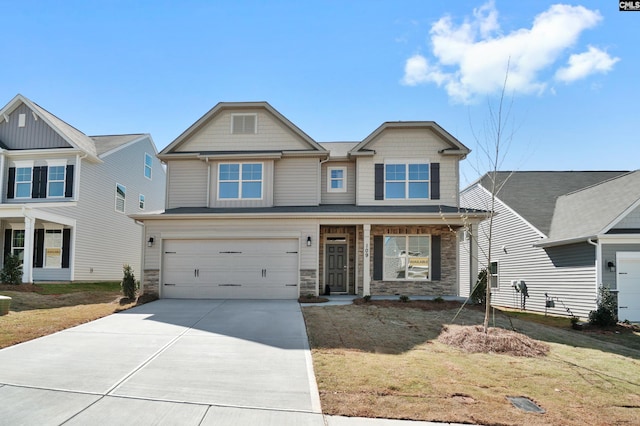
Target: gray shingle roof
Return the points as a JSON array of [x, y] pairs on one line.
[[533, 194], [338, 149], [106, 143], [590, 211]]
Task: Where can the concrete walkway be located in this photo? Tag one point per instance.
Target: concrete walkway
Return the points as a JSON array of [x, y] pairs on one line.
[[186, 362]]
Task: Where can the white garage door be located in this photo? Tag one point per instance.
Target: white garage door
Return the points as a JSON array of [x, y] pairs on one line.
[[628, 286], [230, 269]]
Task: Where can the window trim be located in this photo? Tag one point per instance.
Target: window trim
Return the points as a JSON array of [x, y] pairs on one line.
[[407, 181], [406, 236], [244, 131], [240, 181], [141, 202], [148, 166], [124, 198], [331, 179]]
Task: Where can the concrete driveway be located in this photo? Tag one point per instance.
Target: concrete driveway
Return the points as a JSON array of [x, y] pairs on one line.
[[187, 362]]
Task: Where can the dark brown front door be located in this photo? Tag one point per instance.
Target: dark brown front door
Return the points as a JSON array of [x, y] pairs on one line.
[[336, 267]]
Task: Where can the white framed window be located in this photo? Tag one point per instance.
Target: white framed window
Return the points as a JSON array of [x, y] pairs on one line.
[[493, 275], [55, 181], [141, 202], [406, 180], [53, 248], [17, 243], [148, 165], [121, 195], [240, 181], [244, 124], [336, 179], [407, 257], [23, 182]]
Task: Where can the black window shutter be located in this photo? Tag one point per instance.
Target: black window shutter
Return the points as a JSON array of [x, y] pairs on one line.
[[11, 185], [378, 256], [38, 249], [379, 182], [7, 242], [68, 182], [436, 258], [39, 183], [66, 247], [435, 181]]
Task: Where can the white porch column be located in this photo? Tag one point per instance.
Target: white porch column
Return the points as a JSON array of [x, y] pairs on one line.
[[366, 262], [27, 262]]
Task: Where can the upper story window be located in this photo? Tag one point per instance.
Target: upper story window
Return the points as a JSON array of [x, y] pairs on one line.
[[148, 165], [23, 182], [56, 181], [141, 202], [240, 181], [121, 194], [244, 124], [407, 257], [406, 180], [336, 179]]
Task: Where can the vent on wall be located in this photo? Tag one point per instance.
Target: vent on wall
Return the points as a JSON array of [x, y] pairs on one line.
[[22, 120]]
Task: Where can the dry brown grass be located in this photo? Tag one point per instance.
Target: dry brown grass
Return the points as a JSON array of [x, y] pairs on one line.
[[473, 339], [376, 361]]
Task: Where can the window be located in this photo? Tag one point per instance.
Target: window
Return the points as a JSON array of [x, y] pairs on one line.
[[243, 124], [407, 257], [17, 244], [148, 164], [141, 202], [56, 181], [53, 248], [121, 192], [407, 181], [23, 182], [494, 275], [337, 179], [240, 181]]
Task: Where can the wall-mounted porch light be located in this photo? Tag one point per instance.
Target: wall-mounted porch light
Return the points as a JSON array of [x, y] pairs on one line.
[[150, 242], [611, 266], [309, 241]]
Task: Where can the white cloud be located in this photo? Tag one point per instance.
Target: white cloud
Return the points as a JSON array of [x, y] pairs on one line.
[[584, 64], [471, 58]]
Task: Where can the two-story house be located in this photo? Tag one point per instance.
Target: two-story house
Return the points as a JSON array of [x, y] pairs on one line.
[[256, 208], [66, 195]]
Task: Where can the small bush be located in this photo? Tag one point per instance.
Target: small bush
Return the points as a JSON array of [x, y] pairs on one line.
[[367, 298], [479, 293], [12, 271], [438, 299], [606, 313], [404, 299], [129, 284]]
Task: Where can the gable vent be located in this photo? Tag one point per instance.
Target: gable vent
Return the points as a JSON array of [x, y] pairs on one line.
[[243, 124]]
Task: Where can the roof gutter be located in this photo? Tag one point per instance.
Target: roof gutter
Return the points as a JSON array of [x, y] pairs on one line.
[[544, 244]]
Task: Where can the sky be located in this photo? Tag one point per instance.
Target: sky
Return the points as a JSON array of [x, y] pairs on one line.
[[567, 73]]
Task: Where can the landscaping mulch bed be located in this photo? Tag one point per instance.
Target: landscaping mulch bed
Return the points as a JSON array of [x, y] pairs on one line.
[[20, 287], [425, 305]]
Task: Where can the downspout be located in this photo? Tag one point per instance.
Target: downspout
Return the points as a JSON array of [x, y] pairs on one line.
[[598, 261]]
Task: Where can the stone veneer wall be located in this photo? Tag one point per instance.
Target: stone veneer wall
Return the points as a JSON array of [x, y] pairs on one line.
[[350, 233], [151, 283], [308, 282], [446, 286]]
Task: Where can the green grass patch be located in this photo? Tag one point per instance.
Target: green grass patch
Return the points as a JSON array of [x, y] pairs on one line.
[[549, 320], [78, 287]]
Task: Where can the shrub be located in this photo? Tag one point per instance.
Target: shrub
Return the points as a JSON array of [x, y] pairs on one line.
[[129, 284], [606, 313], [404, 299], [479, 293], [438, 299], [367, 298], [12, 271]]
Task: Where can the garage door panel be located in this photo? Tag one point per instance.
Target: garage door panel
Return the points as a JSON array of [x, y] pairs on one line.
[[628, 284], [238, 269]]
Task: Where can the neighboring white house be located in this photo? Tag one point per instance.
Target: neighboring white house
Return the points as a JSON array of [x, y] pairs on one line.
[[66, 196], [564, 234], [257, 209]]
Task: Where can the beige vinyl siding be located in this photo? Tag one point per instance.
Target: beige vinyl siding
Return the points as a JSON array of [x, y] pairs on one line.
[[348, 197], [408, 144], [216, 135], [267, 186], [186, 183], [567, 273], [296, 182], [242, 226], [105, 240], [35, 134]]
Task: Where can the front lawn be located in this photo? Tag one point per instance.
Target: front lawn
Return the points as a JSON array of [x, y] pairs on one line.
[[38, 310], [385, 361]]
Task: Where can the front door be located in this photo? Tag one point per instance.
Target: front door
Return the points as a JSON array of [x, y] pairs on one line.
[[336, 267]]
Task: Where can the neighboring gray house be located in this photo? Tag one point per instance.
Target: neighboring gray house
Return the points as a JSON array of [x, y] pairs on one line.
[[257, 209], [564, 234], [66, 196]]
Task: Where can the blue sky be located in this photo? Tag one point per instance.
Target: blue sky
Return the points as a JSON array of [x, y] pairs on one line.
[[338, 69]]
